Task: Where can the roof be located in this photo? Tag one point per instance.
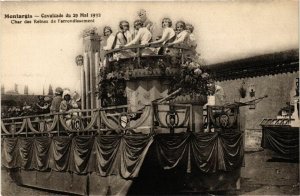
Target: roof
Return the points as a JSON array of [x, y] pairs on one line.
[[268, 64]]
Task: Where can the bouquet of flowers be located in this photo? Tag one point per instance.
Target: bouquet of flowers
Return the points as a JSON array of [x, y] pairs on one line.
[[191, 79]]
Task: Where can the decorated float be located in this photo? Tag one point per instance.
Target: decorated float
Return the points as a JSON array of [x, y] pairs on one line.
[[142, 129]]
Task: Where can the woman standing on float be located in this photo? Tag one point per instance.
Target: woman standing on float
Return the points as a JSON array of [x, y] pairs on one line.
[[122, 38], [168, 35], [182, 36], [110, 38], [168, 32]]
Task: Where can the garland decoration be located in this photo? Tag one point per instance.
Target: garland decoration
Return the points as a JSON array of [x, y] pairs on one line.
[[192, 78]]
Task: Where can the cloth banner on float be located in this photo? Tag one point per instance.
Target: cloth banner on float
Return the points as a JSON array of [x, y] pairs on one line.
[[282, 140], [123, 154], [113, 162]]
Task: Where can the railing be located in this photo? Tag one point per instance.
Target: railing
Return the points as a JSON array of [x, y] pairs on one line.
[[154, 118], [274, 122], [222, 118], [76, 121], [153, 51], [173, 117], [109, 120]]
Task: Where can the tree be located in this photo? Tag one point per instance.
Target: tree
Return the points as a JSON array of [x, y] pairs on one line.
[[2, 89], [16, 88], [26, 90], [50, 91]]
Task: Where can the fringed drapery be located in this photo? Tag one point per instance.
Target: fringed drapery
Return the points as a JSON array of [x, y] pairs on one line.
[[282, 140], [123, 155]]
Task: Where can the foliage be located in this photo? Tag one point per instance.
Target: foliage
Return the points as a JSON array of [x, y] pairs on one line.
[[192, 78], [26, 90], [50, 90], [88, 31], [112, 88]]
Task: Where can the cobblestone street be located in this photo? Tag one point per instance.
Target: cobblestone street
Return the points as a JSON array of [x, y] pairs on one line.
[[260, 176]]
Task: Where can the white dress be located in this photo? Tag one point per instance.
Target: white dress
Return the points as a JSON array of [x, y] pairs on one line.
[[143, 37], [109, 42]]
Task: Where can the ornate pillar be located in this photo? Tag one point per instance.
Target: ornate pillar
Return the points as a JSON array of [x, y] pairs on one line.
[[97, 65], [91, 57], [91, 63], [86, 80]]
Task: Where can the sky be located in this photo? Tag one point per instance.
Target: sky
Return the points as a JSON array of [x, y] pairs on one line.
[[41, 54]]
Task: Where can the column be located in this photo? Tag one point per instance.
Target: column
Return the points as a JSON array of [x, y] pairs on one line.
[[97, 65], [82, 86], [87, 80]]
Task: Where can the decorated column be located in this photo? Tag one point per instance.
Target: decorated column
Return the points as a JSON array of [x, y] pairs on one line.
[[91, 63], [86, 81]]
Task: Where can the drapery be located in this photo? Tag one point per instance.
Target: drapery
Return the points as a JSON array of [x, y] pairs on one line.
[[208, 152], [282, 140], [123, 155], [107, 155]]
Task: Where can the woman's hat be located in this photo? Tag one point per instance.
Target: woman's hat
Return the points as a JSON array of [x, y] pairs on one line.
[[66, 92], [58, 91]]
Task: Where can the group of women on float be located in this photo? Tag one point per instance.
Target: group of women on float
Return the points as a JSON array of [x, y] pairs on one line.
[[142, 34]]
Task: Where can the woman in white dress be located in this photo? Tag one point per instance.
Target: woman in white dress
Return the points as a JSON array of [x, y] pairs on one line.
[[122, 38], [168, 32], [182, 36], [192, 40], [182, 40], [110, 38]]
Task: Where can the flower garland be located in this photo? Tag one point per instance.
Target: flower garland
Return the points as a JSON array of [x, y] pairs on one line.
[[191, 79], [112, 88]]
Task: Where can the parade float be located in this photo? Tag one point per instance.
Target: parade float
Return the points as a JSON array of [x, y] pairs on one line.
[[142, 129]]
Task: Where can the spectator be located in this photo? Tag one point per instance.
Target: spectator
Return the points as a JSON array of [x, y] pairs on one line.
[[217, 92], [68, 105], [26, 109], [47, 104], [76, 97], [110, 38], [56, 100], [42, 107]]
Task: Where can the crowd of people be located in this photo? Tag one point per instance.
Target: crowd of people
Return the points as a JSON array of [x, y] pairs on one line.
[[143, 31], [62, 101]]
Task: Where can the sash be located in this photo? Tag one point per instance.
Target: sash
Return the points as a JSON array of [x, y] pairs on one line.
[[116, 38]]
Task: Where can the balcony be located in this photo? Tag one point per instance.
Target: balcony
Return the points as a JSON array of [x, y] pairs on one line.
[[154, 60]]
